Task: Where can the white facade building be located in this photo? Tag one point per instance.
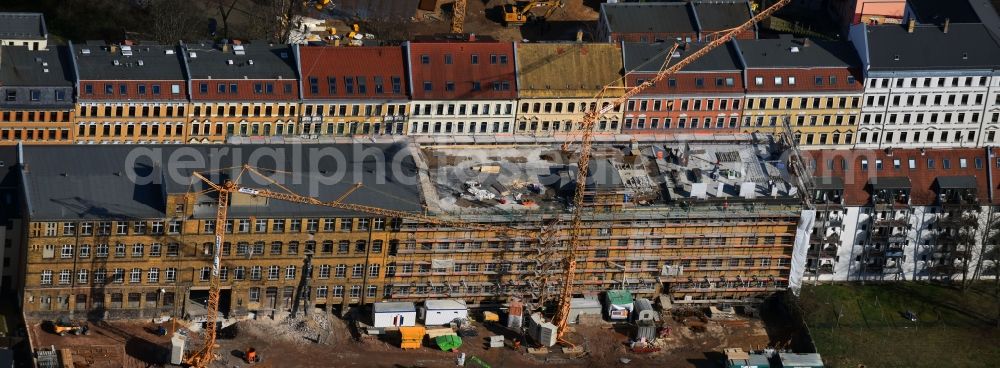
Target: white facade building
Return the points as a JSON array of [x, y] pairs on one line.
[[457, 117], [925, 85], [24, 29]]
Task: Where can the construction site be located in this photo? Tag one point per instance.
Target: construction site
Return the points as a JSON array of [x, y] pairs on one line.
[[519, 253]]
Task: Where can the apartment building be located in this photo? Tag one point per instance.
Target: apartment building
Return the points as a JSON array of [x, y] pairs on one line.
[[667, 21], [93, 252], [247, 90], [349, 91], [915, 98], [558, 83], [129, 93], [37, 89], [705, 97], [461, 86], [24, 29], [901, 214], [813, 85]]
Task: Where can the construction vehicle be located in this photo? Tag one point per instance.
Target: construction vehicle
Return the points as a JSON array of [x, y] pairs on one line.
[[590, 117], [521, 12], [62, 326], [458, 18]]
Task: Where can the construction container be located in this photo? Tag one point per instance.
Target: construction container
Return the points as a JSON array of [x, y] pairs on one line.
[[737, 358], [793, 360], [411, 337], [394, 314], [177, 343], [543, 333], [448, 342], [515, 316], [442, 312], [582, 306], [619, 304], [644, 311]]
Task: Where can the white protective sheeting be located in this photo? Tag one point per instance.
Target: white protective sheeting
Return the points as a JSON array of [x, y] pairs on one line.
[[799, 251]]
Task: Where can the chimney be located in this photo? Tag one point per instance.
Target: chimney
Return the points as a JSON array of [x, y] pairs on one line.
[[472, 37], [237, 42], [805, 42], [910, 25], [128, 43], [579, 35], [225, 47], [114, 48], [947, 23]]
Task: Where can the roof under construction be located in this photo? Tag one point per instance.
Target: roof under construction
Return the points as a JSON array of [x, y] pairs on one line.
[[567, 69]]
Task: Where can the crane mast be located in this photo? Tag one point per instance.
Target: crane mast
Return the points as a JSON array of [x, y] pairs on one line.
[[561, 318], [458, 18]]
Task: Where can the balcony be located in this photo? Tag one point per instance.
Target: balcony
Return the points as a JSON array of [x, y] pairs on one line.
[[829, 251], [958, 221], [893, 222], [817, 238]]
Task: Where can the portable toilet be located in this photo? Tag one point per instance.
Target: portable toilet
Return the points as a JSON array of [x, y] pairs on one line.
[[619, 304], [393, 314], [442, 312]]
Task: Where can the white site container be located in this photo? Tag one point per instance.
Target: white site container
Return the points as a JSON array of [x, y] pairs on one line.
[[394, 314], [442, 312]]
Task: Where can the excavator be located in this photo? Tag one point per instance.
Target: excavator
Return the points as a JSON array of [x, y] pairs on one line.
[[519, 13]]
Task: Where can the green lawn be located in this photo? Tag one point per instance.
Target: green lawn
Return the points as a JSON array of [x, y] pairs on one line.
[[953, 329]]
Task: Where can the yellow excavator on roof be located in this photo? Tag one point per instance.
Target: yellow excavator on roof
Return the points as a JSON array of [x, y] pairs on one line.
[[520, 12]]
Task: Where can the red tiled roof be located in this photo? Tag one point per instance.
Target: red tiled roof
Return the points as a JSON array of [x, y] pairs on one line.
[[922, 179], [323, 62], [461, 71]]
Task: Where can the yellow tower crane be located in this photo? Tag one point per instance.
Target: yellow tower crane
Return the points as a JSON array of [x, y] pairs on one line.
[[598, 109], [458, 18], [206, 354]]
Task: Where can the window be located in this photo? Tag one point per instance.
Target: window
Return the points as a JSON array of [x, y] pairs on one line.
[[84, 251], [474, 59], [81, 276], [46, 277], [759, 81], [170, 275], [153, 275], [272, 272], [254, 294], [119, 250], [357, 270], [138, 250], [324, 271], [425, 59], [205, 274], [340, 271], [290, 272], [64, 277], [67, 251]]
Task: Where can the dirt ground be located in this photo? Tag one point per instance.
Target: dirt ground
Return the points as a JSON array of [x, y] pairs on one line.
[[109, 344], [324, 340], [330, 344]]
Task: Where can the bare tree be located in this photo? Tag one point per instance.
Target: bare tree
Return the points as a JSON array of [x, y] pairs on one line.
[[225, 8], [276, 19], [173, 20]]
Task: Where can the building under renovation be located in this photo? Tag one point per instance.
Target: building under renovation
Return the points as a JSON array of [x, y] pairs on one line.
[[127, 233]]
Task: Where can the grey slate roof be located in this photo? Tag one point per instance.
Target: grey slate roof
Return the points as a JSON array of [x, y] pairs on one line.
[[20, 66], [97, 184], [649, 17], [957, 182], [648, 57], [890, 182], [673, 17], [965, 46], [778, 53], [718, 15], [249, 61], [829, 182], [26, 26], [97, 62]]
